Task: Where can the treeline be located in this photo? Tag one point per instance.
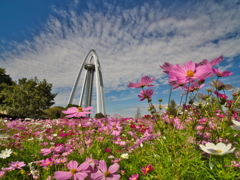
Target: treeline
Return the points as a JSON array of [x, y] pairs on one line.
[[26, 97]]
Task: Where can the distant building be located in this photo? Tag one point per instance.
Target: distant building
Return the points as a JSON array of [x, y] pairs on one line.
[[138, 115]]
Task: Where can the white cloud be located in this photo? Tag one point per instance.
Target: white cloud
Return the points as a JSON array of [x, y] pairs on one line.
[[129, 42]]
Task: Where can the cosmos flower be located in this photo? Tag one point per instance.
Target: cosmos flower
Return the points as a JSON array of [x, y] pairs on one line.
[[221, 96], [212, 62], [189, 72], [125, 156], [220, 85], [77, 172], [218, 149], [78, 112], [147, 169], [167, 67], [221, 74], [17, 165], [145, 81], [105, 173], [5, 153], [236, 125], [146, 94], [134, 177]]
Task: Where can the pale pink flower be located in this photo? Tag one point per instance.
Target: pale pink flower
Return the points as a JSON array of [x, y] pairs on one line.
[[17, 165], [2, 173], [77, 112], [145, 81], [146, 94], [220, 85], [77, 172], [105, 173]]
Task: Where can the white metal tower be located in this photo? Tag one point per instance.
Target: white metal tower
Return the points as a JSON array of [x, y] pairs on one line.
[[91, 65]]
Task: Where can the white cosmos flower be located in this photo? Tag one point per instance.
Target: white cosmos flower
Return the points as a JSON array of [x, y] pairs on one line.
[[5, 153], [125, 156], [218, 149], [236, 125]]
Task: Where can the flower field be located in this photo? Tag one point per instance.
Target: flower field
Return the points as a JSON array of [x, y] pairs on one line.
[[200, 141]]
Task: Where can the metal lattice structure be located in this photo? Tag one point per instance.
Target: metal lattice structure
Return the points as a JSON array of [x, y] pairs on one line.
[[91, 66]]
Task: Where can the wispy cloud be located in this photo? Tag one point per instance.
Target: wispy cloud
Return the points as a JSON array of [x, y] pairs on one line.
[[130, 42]]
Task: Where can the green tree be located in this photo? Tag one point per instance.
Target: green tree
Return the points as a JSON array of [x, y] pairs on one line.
[[4, 79], [172, 108], [54, 112], [27, 97]]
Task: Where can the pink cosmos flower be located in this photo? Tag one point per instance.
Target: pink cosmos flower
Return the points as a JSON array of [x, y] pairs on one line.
[[190, 72], [134, 177], [2, 173], [17, 165], [105, 173], [167, 67], [145, 81], [146, 94], [146, 169], [221, 96], [78, 112], [77, 172], [221, 74], [212, 62]]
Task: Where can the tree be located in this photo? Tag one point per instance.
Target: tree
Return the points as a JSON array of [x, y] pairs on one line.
[[54, 112], [27, 97], [4, 79], [172, 108]]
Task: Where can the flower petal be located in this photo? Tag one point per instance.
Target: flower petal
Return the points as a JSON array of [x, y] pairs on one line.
[[62, 175], [113, 168]]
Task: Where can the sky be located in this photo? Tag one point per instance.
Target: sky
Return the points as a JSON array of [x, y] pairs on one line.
[[49, 40]]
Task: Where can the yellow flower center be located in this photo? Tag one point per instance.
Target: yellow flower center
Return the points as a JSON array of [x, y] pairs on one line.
[[219, 151], [190, 73], [79, 109], [73, 171], [106, 173]]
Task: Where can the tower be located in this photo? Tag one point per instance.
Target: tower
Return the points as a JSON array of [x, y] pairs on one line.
[[91, 66]]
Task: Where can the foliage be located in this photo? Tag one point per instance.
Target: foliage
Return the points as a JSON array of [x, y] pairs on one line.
[[172, 108], [4, 79], [99, 115], [71, 105], [27, 97], [54, 112]]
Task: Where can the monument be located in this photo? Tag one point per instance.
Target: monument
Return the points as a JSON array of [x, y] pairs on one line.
[[92, 67]]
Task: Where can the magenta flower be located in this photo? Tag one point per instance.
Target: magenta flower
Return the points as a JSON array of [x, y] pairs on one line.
[[146, 94], [78, 112], [134, 177], [221, 74], [145, 81], [190, 72], [105, 173], [147, 169], [2, 173], [167, 67], [77, 172], [221, 96], [17, 165], [212, 62], [46, 162]]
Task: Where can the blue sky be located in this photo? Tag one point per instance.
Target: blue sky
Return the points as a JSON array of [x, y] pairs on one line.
[[50, 39]]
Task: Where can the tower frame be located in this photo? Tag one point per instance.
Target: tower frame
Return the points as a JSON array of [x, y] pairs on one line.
[[87, 64]]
